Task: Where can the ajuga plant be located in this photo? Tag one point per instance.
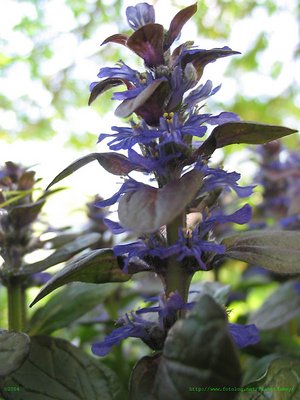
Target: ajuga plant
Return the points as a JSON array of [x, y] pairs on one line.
[[25, 233], [21, 202], [170, 138]]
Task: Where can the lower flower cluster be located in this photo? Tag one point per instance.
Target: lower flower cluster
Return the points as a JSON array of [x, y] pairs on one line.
[[154, 331]]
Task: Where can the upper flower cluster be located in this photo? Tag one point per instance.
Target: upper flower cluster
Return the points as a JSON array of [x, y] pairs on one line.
[[166, 97], [169, 75]]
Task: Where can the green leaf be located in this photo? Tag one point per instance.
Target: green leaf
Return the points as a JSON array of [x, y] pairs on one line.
[[69, 304], [277, 251], [116, 164], [282, 306], [142, 378], [14, 347], [281, 382], [56, 370], [15, 196], [145, 210], [198, 352], [64, 253], [258, 368], [98, 266], [242, 132]]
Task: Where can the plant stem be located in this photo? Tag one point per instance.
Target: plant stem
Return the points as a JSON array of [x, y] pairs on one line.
[[16, 305], [176, 278]]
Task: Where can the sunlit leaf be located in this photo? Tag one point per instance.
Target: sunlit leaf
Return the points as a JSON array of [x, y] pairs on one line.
[[242, 132], [97, 266], [147, 209], [56, 370], [277, 251]]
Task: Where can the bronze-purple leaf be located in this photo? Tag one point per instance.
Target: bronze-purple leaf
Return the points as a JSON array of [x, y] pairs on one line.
[[116, 164], [25, 214], [26, 180], [278, 251], [147, 209], [117, 38], [242, 132], [103, 86], [147, 42], [200, 58], [127, 107], [177, 24]]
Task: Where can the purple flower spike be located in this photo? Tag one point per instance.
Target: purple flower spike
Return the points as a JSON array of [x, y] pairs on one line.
[[140, 15], [244, 335]]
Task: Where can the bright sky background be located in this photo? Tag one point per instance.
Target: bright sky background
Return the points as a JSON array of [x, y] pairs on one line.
[[52, 156]]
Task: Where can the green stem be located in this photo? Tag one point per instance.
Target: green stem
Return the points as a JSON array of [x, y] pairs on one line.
[[176, 278], [16, 305]]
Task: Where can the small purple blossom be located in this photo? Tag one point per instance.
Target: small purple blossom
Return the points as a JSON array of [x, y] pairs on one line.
[[114, 227], [201, 93], [244, 335], [122, 71], [132, 327], [128, 186], [241, 216], [140, 15], [218, 178], [192, 246], [40, 278], [297, 287], [126, 137], [140, 249]]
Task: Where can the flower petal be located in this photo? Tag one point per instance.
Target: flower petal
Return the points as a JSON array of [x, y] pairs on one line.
[[140, 15], [244, 335]]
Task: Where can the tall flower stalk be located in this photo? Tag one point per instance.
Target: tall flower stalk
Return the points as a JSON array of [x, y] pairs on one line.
[[170, 138]]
